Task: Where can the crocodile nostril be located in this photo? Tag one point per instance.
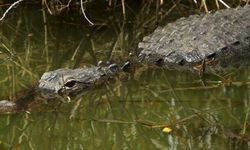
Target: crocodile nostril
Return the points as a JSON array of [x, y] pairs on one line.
[[70, 83]]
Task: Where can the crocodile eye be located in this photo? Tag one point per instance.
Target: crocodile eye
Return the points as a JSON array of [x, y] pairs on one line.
[[113, 67], [70, 83]]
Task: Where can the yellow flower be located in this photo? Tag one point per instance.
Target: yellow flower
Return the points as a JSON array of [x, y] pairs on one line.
[[167, 130]]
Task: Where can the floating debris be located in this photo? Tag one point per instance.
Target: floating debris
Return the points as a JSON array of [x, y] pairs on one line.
[[167, 130]]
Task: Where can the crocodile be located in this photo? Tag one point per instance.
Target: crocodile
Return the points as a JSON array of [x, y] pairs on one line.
[[199, 42]]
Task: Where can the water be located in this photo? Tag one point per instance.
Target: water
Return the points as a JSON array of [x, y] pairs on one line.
[[127, 114]]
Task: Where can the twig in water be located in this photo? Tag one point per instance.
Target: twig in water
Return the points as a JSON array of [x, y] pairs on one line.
[[245, 121], [46, 49], [203, 4], [83, 12], [44, 2], [68, 3], [222, 2], [123, 10], [11, 6], [217, 4]]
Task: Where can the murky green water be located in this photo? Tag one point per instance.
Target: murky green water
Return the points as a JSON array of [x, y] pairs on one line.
[[127, 114]]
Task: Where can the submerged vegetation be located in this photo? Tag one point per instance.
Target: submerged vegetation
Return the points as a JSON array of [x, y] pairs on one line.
[[155, 109]]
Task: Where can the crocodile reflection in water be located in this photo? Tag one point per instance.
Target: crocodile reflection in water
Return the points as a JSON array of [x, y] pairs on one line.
[[218, 40]]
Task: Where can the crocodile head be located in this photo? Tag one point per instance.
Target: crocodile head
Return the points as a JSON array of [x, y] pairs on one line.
[[70, 82]]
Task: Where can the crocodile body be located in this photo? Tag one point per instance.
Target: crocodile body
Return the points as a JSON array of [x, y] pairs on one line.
[[222, 39]]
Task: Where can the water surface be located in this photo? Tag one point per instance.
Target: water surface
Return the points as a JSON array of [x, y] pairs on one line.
[[127, 114]]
